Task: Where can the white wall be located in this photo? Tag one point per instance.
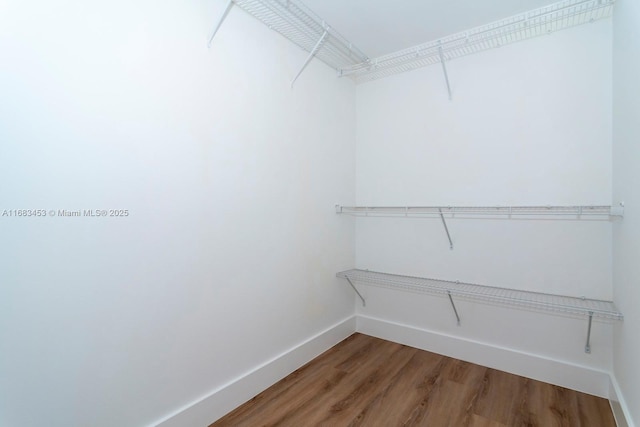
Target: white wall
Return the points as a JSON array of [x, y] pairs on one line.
[[626, 175], [529, 124], [228, 255]]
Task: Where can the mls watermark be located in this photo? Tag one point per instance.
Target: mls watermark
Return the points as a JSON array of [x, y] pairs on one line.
[[64, 213]]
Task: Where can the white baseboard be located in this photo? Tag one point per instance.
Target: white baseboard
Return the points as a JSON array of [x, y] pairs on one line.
[[224, 399], [576, 377], [618, 405], [231, 395]]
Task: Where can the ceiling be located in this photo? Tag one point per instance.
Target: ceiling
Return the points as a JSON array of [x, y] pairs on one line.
[[379, 27]]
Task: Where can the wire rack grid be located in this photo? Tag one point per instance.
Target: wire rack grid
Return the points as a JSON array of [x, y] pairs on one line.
[[558, 16], [577, 212], [504, 296], [303, 27]]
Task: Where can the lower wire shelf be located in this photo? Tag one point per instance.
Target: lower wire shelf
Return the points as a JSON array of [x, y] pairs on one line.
[[511, 297]]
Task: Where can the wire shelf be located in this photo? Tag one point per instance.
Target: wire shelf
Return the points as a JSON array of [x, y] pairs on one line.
[[555, 17], [511, 297], [303, 27], [572, 212]]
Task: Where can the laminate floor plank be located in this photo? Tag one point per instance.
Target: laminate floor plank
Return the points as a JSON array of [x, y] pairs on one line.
[[413, 382], [366, 381], [491, 403], [480, 421], [312, 411], [346, 402], [593, 410], [300, 386]]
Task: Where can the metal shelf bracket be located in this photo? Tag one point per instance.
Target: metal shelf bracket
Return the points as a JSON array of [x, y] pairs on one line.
[[220, 21], [364, 304], [444, 70], [311, 55], [446, 229], [454, 307], [587, 347]]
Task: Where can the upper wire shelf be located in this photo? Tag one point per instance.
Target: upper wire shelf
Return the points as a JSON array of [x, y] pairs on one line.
[[512, 297], [557, 16], [572, 212], [303, 27]]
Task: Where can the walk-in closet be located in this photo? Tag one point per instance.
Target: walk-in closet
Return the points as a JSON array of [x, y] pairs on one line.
[[319, 212]]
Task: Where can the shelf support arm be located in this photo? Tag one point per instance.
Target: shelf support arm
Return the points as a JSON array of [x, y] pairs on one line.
[[364, 304], [454, 307], [311, 55], [446, 229], [444, 69], [220, 21], [587, 347]]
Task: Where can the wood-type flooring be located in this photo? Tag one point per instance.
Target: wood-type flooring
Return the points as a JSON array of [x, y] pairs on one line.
[[366, 381]]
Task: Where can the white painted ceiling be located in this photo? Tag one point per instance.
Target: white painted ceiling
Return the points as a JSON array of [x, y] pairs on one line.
[[379, 27]]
